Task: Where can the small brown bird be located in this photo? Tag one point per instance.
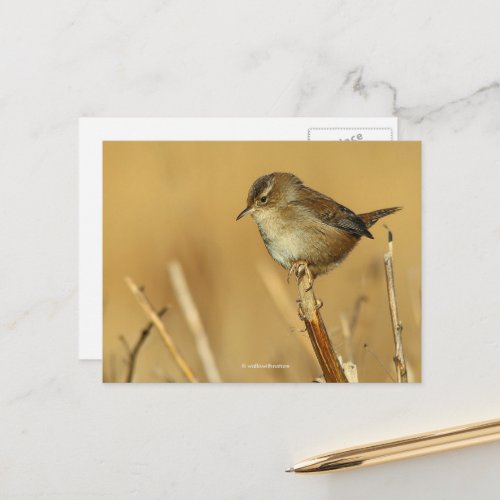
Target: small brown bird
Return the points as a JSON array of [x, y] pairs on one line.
[[302, 226]]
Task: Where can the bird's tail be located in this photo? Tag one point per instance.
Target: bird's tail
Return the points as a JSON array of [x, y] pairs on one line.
[[371, 217]]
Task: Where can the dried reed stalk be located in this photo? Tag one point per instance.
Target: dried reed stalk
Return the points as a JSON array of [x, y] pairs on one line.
[[397, 326], [134, 351], [193, 320], [309, 308], [148, 310]]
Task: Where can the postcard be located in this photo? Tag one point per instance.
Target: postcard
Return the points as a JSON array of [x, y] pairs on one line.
[[261, 261], [93, 131]]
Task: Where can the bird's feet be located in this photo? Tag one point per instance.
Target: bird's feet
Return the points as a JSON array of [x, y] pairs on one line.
[[300, 268]]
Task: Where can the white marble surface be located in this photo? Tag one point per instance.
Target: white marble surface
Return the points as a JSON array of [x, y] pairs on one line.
[[435, 65]]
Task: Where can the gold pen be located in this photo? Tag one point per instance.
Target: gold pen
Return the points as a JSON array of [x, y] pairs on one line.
[[405, 447]]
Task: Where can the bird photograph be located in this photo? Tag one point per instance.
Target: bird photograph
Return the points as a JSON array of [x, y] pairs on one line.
[[299, 224], [262, 261]]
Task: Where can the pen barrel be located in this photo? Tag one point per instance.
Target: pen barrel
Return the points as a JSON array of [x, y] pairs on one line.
[[407, 447]]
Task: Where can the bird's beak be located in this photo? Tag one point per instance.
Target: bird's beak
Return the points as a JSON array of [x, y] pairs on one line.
[[244, 212]]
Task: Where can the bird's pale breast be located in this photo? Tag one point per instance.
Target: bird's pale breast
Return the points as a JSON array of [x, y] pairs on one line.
[[298, 237]]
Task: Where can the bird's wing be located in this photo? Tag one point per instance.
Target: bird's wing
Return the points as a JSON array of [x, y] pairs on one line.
[[333, 214]]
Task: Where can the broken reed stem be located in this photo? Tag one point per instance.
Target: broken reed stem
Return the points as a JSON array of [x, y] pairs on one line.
[[193, 319], [132, 353], [148, 310], [327, 358], [397, 326]]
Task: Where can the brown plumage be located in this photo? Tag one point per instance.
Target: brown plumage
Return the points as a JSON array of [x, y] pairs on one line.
[[299, 224]]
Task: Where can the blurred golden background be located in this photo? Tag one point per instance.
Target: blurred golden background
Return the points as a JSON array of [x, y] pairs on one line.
[[165, 201]]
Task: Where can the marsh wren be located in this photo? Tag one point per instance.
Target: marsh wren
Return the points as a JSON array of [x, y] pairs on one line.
[[302, 226]]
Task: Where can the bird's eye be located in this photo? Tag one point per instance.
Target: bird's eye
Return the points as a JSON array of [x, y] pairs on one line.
[[263, 199]]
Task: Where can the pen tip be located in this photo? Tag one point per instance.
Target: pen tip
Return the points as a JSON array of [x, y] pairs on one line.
[[291, 469]]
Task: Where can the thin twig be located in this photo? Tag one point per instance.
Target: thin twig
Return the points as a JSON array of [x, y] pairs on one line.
[[397, 326], [193, 319], [309, 310], [377, 359], [132, 353], [148, 310]]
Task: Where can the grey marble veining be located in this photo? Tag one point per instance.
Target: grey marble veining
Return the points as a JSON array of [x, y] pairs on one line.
[[434, 65]]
